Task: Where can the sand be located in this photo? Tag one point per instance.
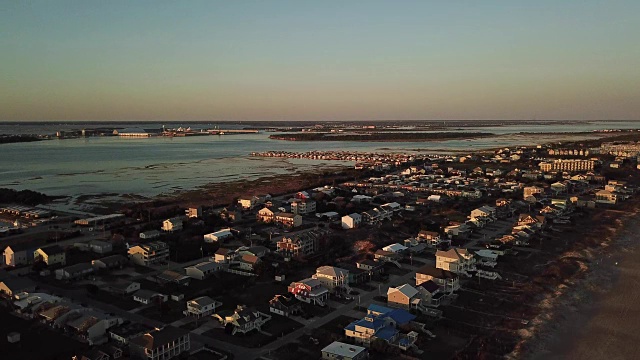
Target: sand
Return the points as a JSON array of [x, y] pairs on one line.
[[600, 317]]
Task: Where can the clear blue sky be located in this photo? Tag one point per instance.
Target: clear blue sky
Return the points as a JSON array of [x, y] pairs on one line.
[[319, 60]]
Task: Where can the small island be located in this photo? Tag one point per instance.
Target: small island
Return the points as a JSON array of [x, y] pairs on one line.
[[379, 136]]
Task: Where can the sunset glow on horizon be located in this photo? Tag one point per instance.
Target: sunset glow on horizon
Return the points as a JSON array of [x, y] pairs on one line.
[[308, 60]]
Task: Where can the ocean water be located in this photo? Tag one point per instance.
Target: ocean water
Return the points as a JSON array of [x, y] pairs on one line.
[[151, 166]]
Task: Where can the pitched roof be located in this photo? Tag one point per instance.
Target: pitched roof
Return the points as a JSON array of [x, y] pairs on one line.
[[156, 339], [332, 271], [430, 286], [436, 273], [406, 289], [52, 250]]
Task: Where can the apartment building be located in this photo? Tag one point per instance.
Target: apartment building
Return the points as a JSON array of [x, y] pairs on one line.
[[567, 165]]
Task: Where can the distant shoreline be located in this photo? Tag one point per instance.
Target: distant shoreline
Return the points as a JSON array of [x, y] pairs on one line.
[[380, 136]]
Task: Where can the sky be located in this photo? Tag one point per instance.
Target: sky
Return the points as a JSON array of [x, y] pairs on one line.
[[319, 60]]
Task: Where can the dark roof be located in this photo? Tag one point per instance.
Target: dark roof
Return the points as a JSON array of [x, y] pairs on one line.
[[53, 249], [23, 246], [128, 330], [156, 339], [18, 283], [113, 259], [436, 273], [430, 286]]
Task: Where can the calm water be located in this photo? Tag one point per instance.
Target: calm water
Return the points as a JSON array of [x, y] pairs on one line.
[[151, 166]]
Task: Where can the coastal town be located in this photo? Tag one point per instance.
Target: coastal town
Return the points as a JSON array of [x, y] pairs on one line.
[[421, 256]]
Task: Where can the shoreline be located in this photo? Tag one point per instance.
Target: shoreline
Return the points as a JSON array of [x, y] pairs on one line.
[[564, 328]]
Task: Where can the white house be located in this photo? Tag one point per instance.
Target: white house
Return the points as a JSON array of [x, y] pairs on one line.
[[218, 235], [351, 221], [202, 306], [202, 270]]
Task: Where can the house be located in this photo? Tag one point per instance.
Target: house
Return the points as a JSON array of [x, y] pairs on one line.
[[457, 230], [99, 247], [171, 225], [125, 332], [110, 262], [301, 207], [193, 212], [404, 296], [89, 326], [430, 294], [382, 323], [606, 197], [351, 221], [371, 267], [446, 280], [123, 287], [386, 256], [341, 351], [244, 320], [163, 344], [147, 297], [531, 220], [170, 276], [219, 235], [396, 248], [266, 215], [74, 271], [285, 305], [249, 203], [201, 307], [248, 262], [51, 255], [152, 253], [484, 212], [18, 254], [288, 220], [11, 286], [259, 251], [203, 270], [310, 291], [333, 278], [300, 244], [230, 215], [224, 256], [456, 260], [432, 238], [152, 234]]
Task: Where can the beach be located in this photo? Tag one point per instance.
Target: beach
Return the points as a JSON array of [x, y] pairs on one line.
[[608, 327], [597, 316]]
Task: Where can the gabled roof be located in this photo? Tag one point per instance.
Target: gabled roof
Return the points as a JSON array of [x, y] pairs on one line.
[[18, 283], [251, 259], [436, 273], [406, 289], [156, 339], [430, 286], [52, 250], [454, 253], [332, 271]]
